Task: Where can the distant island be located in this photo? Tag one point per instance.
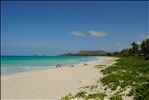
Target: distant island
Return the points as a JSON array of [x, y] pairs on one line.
[[39, 55], [87, 53]]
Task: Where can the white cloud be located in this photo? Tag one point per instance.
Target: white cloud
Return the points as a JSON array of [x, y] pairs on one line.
[[77, 33], [97, 33], [141, 36], [138, 43]]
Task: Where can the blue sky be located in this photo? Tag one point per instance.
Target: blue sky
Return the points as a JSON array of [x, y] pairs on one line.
[[52, 28]]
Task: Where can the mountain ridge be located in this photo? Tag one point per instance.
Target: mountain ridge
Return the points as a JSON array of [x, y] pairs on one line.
[[86, 53]]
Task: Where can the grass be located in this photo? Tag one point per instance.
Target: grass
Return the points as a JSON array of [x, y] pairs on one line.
[[126, 72], [68, 97], [141, 92], [116, 97], [83, 95], [99, 66], [96, 96], [91, 88]]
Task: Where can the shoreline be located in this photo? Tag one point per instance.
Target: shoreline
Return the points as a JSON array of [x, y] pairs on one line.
[[48, 67], [51, 83]]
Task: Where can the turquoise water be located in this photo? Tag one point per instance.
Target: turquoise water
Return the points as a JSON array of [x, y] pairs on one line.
[[17, 64]]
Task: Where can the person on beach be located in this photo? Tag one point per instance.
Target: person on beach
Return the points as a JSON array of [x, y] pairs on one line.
[[85, 64], [58, 65]]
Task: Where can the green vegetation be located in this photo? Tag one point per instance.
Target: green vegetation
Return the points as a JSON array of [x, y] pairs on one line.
[[137, 50], [85, 96], [116, 97], [81, 94], [141, 92], [128, 72], [99, 66], [91, 88], [68, 97], [96, 96]]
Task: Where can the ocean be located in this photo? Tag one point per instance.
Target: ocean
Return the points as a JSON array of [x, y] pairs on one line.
[[17, 64]]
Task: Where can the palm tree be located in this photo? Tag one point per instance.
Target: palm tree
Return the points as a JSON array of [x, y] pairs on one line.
[[135, 49], [125, 53], [145, 49]]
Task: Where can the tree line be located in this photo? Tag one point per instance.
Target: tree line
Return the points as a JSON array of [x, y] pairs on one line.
[[137, 50]]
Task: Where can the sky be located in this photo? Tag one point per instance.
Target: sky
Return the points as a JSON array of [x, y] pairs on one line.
[[57, 27]]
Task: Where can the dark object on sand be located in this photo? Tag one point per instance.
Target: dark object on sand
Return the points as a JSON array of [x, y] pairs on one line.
[[85, 64], [58, 65], [71, 65]]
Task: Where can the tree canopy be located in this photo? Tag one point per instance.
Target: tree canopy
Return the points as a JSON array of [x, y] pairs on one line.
[[136, 50]]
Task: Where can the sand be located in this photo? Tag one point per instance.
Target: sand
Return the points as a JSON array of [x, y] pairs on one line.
[[51, 83]]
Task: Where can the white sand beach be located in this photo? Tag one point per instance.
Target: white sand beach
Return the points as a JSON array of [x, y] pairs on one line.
[[51, 83]]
